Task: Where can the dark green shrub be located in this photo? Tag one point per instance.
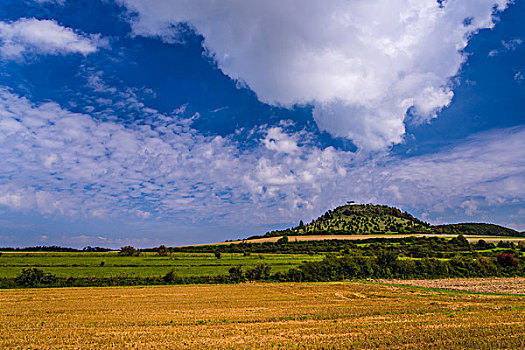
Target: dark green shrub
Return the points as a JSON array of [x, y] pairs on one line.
[[163, 250], [32, 277], [259, 272], [128, 251], [283, 240], [170, 277]]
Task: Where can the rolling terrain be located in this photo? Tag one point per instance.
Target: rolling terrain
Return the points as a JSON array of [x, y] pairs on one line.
[[370, 219]]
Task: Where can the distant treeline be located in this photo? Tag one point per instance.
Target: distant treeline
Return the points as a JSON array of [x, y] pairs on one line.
[[471, 228], [403, 258], [54, 248], [414, 247], [384, 265]]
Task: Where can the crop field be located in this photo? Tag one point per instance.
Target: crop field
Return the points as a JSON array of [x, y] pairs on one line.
[[514, 285], [472, 238], [92, 264], [260, 316]]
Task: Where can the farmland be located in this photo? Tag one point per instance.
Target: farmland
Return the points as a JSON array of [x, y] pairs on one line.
[[473, 238], [283, 261], [260, 315], [514, 285], [81, 264]]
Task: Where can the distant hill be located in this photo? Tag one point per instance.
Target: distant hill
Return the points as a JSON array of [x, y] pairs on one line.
[[476, 228], [360, 219]]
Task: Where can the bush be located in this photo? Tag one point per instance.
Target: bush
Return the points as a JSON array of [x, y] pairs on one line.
[[507, 260], [259, 272], [218, 255], [163, 250], [128, 251], [32, 277], [283, 240], [170, 277], [236, 274]]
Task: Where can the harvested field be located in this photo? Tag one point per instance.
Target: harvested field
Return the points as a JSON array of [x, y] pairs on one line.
[[259, 316], [514, 285], [471, 238]]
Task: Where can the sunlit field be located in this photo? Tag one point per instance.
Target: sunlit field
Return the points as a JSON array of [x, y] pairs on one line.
[[260, 315], [81, 264]]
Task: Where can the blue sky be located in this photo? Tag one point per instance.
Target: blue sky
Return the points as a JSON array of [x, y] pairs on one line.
[[173, 122]]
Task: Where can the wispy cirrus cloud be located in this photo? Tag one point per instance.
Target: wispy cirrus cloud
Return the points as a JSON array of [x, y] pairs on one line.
[[56, 162], [41, 36]]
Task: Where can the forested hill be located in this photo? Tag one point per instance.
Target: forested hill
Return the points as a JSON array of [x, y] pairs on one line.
[[475, 228], [373, 219], [358, 219]]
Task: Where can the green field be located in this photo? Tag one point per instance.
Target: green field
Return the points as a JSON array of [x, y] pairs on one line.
[[84, 264]]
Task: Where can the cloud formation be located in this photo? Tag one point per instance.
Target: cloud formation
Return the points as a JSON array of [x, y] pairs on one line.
[[362, 64], [61, 163], [31, 35]]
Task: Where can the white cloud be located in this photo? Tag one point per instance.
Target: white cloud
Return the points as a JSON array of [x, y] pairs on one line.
[[31, 35], [361, 63], [67, 164], [506, 46], [280, 141], [519, 77]]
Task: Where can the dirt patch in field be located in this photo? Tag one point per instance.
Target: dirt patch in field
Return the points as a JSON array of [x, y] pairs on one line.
[[472, 238], [514, 285]]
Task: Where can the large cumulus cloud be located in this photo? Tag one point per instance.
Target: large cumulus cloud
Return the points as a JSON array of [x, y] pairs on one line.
[[361, 63]]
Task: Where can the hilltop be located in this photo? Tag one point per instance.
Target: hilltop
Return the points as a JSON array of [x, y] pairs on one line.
[[363, 219]]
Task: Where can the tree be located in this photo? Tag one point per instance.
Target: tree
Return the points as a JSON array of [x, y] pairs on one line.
[[460, 241], [170, 277], [236, 274], [301, 224], [507, 260], [283, 240], [163, 250], [218, 255], [32, 277], [128, 251], [259, 272]]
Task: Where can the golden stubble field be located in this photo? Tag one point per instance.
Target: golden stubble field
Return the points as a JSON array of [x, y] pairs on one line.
[[259, 316]]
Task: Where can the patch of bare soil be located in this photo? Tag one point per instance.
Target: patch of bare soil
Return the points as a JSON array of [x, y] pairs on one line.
[[512, 285]]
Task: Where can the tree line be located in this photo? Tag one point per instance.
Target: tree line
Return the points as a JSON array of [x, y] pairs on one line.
[[374, 260]]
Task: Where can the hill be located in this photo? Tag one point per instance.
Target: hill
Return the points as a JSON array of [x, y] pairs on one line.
[[478, 228], [359, 219], [362, 219]]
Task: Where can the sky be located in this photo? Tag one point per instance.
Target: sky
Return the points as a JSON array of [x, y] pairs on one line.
[[177, 122]]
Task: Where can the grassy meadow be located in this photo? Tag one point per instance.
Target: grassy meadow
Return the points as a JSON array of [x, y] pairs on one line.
[[260, 316], [95, 264]]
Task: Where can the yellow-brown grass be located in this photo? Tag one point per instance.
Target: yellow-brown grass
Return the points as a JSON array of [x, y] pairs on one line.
[[472, 238], [295, 316]]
